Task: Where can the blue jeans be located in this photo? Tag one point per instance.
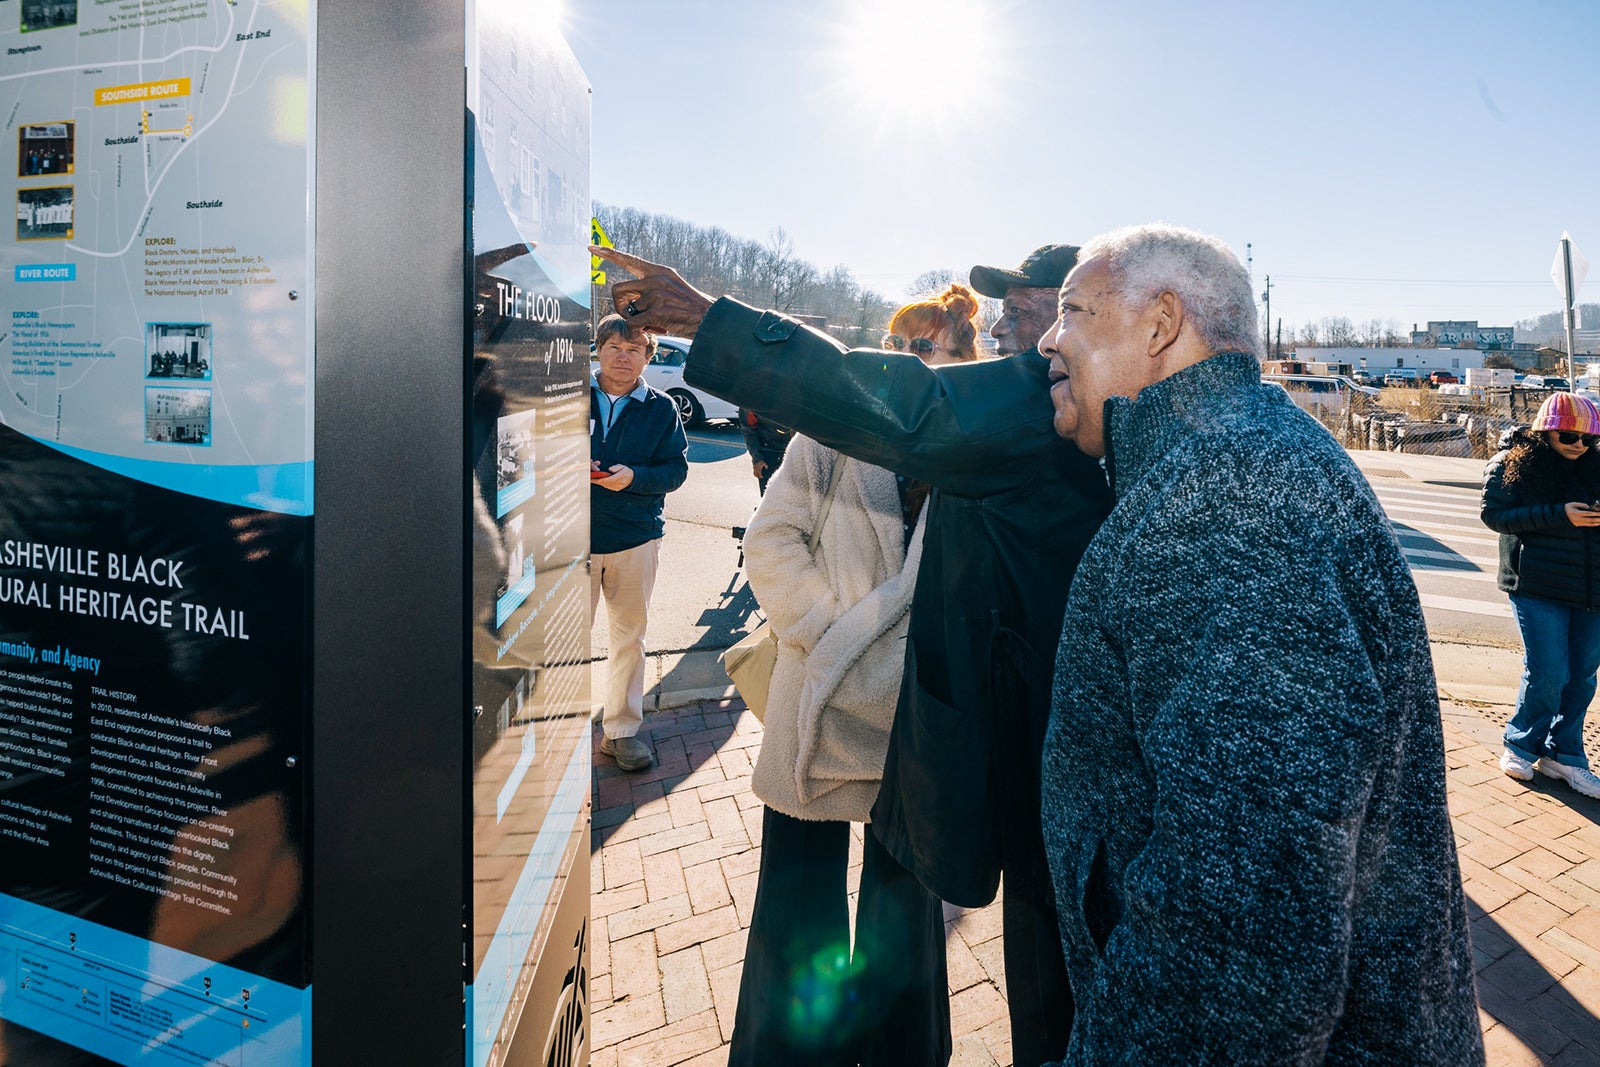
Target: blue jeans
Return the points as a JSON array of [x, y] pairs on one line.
[[1561, 653]]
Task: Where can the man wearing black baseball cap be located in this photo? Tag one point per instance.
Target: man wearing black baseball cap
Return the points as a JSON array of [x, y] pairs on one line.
[[1027, 296], [1012, 508]]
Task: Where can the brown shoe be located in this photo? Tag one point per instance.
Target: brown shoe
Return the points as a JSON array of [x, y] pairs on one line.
[[630, 753]]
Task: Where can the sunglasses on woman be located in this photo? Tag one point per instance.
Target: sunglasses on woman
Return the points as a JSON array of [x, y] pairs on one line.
[[1572, 437], [919, 346]]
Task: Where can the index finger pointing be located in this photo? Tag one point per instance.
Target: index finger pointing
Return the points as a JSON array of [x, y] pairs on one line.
[[632, 264]]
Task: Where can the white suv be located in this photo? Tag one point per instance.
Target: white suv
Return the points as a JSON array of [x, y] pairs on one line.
[[1329, 392], [665, 372]]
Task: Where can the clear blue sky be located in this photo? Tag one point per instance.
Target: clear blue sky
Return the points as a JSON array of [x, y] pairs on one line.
[[1393, 160]]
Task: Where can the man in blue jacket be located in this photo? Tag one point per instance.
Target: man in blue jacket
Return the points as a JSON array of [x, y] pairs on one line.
[[637, 455]]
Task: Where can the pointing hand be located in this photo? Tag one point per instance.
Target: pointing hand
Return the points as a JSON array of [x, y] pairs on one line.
[[660, 300]]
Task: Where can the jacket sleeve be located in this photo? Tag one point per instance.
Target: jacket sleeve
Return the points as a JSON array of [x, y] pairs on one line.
[[752, 439], [1503, 513], [789, 583], [669, 463], [973, 429], [1235, 933]]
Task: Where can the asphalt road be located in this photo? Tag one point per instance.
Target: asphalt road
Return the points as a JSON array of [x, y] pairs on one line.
[[702, 600]]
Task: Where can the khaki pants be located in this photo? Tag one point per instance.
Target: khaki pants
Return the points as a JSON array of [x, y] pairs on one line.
[[627, 579]]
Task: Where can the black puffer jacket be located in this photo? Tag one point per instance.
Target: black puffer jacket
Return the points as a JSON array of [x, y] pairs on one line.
[[1525, 490]]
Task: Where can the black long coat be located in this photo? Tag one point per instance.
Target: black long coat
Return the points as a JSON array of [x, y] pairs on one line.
[[1012, 509]]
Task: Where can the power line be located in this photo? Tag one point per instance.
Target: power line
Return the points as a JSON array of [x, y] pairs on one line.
[[1403, 281]]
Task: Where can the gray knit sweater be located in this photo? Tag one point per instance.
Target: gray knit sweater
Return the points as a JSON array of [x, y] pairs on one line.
[[1244, 792]]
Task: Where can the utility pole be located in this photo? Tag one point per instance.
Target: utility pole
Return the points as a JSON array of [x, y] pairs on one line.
[[1267, 319]]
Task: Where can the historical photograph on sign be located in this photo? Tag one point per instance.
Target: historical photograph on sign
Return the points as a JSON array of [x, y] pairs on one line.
[[178, 350], [43, 214], [45, 148], [514, 466], [48, 14], [177, 416], [515, 561]]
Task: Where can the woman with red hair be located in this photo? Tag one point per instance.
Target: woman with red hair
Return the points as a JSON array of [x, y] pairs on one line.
[[807, 994]]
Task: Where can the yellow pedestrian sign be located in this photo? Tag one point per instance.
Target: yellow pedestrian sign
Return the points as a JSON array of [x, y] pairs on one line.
[[597, 236]]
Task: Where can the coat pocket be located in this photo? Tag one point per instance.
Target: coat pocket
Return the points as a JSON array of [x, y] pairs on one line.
[[945, 788], [1090, 915], [1019, 694]]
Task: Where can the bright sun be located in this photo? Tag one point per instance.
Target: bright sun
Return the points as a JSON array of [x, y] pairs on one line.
[[918, 61]]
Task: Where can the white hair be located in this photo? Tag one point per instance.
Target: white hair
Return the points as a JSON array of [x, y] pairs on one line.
[[1146, 261]]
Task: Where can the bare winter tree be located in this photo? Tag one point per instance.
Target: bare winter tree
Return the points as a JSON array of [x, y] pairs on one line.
[[789, 277], [1339, 331], [769, 274], [931, 282]]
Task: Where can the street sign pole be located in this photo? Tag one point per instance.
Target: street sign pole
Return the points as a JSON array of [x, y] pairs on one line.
[[1568, 272], [1567, 312]]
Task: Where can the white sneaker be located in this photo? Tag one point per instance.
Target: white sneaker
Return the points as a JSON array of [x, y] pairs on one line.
[[1581, 779], [1517, 767]]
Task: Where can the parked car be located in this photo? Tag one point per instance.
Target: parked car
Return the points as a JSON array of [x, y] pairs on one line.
[[1402, 376], [1443, 377], [1361, 377], [665, 372], [1544, 381], [1320, 393]]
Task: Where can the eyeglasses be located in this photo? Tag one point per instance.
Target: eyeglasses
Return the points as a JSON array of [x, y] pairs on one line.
[[920, 346], [1572, 437]]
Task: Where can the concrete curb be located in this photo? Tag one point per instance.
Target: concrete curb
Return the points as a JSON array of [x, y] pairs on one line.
[[1429, 470], [672, 680]]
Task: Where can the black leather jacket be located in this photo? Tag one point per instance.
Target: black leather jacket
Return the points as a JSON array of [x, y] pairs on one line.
[[1012, 509], [1541, 553]]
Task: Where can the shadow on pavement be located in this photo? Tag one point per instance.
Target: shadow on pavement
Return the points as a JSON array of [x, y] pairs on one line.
[[1440, 556], [733, 616], [1520, 993], [682, 743]]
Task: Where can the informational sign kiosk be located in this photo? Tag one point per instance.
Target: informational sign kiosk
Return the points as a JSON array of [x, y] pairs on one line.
[[294, 746]]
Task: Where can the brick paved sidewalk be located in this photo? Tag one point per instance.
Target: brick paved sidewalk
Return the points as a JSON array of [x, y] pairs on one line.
[[675, 854]]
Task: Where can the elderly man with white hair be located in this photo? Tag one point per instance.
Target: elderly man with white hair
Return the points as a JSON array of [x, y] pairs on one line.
[[1243, 780]]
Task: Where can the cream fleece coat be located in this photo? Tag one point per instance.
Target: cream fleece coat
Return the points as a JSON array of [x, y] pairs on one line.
[[841, 619]]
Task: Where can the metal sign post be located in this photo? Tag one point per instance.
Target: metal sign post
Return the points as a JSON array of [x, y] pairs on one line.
[[1568, 272]]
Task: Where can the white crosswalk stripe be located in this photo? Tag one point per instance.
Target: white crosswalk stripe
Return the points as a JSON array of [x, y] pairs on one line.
[[1453, 556], [1500, 610]]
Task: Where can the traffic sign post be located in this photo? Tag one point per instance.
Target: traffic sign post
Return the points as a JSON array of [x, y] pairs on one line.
[[1568, 272]]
